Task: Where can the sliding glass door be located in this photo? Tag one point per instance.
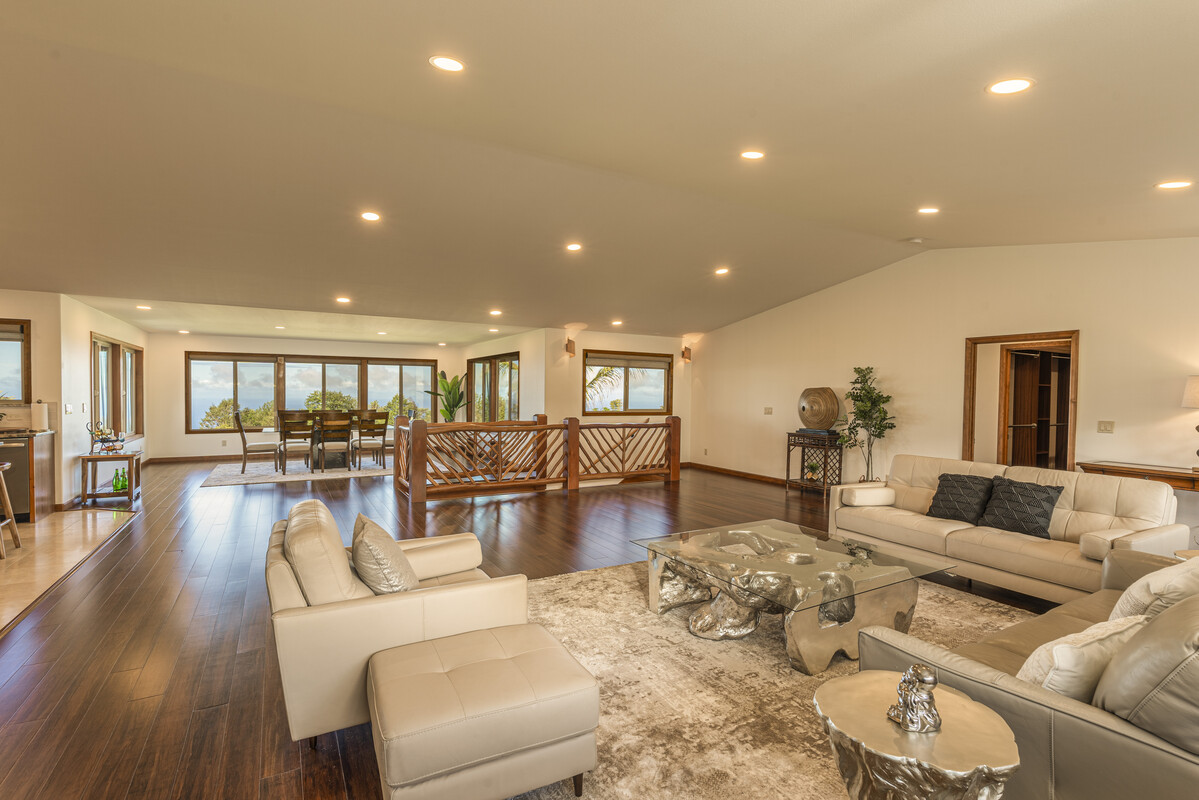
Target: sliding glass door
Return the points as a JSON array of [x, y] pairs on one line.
[[493, 385]]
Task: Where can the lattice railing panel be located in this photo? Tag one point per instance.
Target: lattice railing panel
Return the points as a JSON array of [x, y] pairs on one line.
[[496, 455], [614, 450]]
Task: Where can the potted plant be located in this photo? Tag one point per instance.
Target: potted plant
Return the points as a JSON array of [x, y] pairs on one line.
[[813, 470], [452, 394], [867, 419]]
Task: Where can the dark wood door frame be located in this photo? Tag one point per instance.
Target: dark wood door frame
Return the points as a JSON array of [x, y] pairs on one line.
[[1049, 339]]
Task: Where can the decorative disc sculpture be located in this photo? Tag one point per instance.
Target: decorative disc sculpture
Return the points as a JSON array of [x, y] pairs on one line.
[[819, 408], [916, 711]]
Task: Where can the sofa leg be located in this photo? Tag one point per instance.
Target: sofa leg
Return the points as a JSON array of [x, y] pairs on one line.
[[579, 785]]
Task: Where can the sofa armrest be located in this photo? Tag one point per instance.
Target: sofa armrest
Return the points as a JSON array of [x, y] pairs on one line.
[[1163, 540], [323, 650], [435, 556], [1122, 567], [837, 498]]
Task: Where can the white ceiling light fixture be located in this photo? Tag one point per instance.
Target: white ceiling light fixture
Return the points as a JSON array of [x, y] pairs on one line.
[[493, 330], [447, 64], [618, 322], [370, 216], [1011, 86], [143, 308], [753, 155], [928, 210], [441, 344], [343, 299], [280, 328], [495, 312], [381, 333], [574, 247], [1165, 185], [722, 271], [185, 331]]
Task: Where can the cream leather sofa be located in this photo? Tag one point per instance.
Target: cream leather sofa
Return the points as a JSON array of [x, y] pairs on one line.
[[1069, 750], [328, 623], [1095, 515]]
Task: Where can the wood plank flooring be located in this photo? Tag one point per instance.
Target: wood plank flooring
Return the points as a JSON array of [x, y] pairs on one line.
[[150, 672]]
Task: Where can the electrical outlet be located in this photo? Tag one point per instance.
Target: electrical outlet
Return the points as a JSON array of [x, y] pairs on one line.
[[68, 408], [768, 411], [224, 442], [1107, 426], [83, 408]]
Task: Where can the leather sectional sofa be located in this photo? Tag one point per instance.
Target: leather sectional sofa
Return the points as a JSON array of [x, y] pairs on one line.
[[1095, 515]]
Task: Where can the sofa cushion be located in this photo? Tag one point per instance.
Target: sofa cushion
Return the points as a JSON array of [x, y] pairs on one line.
[[379, 560], [439, 705], [466, 576], [868, 496], [961, 497], [1073, 664], [914, 478], [1092, 608], [1008, 649], [1097, 502], [899, 526], [1042, 559], [1153, 593], [313, 547], [1020, 507], [1153, 681]]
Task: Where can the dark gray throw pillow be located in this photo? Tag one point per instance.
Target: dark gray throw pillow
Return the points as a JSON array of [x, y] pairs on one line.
[[1020, 507], [961, 497]]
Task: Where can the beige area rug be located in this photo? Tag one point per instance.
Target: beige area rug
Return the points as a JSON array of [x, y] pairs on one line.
[[686, 717], [50, 550], [259, 471]]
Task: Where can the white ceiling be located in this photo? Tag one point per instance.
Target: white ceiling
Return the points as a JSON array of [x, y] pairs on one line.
[[220, 152]]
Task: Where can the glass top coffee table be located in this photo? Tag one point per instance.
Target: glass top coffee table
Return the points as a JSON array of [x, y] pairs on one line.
[[826, 590]]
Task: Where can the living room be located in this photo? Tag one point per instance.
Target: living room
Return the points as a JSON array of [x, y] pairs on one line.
[[765, 200]]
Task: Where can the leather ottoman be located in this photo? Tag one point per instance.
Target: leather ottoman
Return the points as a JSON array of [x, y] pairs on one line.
[[484, 714]]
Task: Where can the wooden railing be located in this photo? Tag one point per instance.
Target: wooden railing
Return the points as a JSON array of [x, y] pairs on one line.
[[458, 459]]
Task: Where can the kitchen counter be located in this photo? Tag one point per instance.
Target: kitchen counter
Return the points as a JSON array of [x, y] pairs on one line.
[[22, 433], [30, 480]]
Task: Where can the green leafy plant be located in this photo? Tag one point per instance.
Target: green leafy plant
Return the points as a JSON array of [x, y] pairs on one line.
[[452, 393], [867, 419], [813, 468]]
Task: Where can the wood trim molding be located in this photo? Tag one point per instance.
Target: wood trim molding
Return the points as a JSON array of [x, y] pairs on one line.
[[198, 459], [736, 473]]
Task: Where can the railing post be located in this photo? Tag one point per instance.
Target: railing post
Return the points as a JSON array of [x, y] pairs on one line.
[[674, 447], [418, 466], [571, 443], [539, 447]]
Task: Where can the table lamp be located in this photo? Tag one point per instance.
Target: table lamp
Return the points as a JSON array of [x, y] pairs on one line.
[[1190, 399]]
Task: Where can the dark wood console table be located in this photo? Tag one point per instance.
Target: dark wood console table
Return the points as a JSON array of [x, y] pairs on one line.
[[818, 447], [1178, 477]]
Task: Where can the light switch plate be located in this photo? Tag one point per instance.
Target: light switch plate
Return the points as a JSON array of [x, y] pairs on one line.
[[1107, 426], [768, 411]]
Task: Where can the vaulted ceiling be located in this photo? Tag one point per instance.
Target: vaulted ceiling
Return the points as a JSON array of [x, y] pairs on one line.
[[221, 152]]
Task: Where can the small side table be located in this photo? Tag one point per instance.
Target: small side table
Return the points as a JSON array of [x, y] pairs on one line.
[[822, 448], [133, 468], [972, 756]]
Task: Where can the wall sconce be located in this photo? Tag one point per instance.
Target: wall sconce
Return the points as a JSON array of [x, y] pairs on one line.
[[687, 354], [570, 347]]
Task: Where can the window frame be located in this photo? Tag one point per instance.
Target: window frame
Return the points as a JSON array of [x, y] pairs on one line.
[[493, 366], [668, 389], [280, 361], [26, 397], [117, 396]]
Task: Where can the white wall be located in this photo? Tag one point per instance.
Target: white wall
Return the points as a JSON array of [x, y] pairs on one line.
[[165, 405]]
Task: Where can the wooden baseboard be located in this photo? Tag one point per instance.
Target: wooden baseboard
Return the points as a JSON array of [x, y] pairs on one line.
[[736, 473], [70, 505], [197, 459]]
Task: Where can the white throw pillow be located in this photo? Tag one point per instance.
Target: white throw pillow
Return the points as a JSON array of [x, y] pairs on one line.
[[1153, 593], [1073, 664], [379, 560]]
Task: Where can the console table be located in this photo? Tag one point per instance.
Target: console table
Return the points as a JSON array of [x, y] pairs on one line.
[[1178, 477], [132, 461], [819, 447]]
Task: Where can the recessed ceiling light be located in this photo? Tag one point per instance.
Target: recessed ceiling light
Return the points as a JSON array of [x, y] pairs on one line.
[[370, 216], [1162, 185], [382, 333], [928, 210], [343, 299], [493, 330], [441, 344], [279, 328], [446, 63], [753, 155], [722, 271], [185, 331], [1010, 86], [574, 246], [495, 312], [144, 308], [617, 322]]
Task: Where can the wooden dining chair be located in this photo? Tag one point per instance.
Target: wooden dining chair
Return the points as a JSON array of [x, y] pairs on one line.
[[253, 447], [332, 434], [295, 435], [372, 435], [10, 519]]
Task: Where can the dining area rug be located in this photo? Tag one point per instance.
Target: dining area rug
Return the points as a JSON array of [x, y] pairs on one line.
[[687, 717], [230, 474]]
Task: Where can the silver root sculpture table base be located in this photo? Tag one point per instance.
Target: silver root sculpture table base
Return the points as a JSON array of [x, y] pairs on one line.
[[970, 758], [814, 634]]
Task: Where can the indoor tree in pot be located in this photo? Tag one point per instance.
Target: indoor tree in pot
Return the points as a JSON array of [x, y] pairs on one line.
[[452, 393], [867, 419]]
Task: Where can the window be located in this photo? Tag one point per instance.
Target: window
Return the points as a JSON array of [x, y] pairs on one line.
[[220, 384], [493, 386], [116, 385], [15, 358], [626, 383]]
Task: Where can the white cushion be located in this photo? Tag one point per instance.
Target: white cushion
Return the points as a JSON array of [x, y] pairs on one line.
[[313, 547], [1157, 591], [379, 560], [1073, 664], [868, 496]]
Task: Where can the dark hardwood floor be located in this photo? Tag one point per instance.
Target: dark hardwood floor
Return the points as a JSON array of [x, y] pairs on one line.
[[150, 672]]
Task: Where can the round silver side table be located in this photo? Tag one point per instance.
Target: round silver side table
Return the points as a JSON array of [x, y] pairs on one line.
[[971, 757]]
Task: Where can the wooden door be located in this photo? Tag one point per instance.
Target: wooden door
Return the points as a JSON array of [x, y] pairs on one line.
[[1035, 407]]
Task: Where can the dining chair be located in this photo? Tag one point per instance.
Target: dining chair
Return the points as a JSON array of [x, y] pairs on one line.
[[372, 435], [10, 519], [295, 435], [253, 447], [332, 434]]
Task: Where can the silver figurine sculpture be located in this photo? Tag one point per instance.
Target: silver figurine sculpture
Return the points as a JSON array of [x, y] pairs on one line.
[[916, 710]]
